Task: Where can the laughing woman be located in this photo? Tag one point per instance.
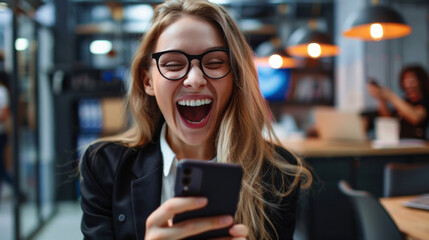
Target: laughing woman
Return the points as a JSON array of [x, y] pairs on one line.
[[194, 95]]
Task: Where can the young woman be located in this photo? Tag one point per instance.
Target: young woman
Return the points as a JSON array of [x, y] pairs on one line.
[[194, 95], [411, 111]]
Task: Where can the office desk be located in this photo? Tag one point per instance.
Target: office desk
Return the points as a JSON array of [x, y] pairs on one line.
[[325, 212], [319, 148], [413, 223]]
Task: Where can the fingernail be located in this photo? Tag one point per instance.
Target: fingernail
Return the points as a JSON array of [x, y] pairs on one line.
[[226, 220], [201, 201]]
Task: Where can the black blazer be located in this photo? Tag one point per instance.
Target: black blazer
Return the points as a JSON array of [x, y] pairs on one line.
[[121, 187]]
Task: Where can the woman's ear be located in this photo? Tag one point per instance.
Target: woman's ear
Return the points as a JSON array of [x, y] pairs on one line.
[[148, 84]]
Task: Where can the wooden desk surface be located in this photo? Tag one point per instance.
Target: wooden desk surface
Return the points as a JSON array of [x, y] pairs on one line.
[[414, 223], [320, 148]]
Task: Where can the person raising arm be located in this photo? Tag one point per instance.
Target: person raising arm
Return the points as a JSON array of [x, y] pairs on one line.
[[413, 110]]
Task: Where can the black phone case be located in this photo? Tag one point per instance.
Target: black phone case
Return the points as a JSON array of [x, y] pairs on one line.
[[373, 82], [219, 182]]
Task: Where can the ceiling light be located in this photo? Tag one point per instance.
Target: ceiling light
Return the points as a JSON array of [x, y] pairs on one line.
[[376, 22], [307, 42], [271, 54], [276, 61], [100, 46], [21, 44]]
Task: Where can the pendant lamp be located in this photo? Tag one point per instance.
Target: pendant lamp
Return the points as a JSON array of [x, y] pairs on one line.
[[271, 54], [375, 23], [310, 42], [276, 60]]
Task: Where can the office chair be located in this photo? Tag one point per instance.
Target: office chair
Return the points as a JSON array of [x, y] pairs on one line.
[[405, 179], [375, 222]]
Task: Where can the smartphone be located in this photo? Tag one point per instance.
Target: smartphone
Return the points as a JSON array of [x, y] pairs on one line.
[[219, 182], [373, 82]]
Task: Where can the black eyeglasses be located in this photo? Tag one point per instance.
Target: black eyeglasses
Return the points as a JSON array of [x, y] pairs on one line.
[[174, 65]]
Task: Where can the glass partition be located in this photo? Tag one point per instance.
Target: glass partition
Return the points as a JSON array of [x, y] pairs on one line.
[[32, 152], [6, 165], [26, 57]]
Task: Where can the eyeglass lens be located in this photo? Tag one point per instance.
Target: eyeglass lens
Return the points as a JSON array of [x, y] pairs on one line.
[[175, 65]]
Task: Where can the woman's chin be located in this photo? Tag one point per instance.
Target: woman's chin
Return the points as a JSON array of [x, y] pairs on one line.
[[414, 98]]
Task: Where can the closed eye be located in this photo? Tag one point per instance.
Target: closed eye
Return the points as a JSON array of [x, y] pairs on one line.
[[213, 64], [173, 66]]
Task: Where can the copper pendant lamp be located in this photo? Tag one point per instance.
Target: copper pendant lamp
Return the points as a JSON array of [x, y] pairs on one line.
[[271, 54], [375, 23], [276, 60], [310, 42]]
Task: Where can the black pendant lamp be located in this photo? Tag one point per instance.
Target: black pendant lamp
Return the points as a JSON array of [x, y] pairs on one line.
[[375, 23], [271, 54], [311, 42]]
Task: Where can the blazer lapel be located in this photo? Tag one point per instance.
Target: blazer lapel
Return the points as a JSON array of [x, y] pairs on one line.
[[146, 189]]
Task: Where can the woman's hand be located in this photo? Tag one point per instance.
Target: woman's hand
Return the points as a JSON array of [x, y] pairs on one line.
[[159, 224], [376, 91], [238, 232]]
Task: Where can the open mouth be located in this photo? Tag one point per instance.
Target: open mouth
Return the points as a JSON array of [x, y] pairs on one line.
[[194, 111]]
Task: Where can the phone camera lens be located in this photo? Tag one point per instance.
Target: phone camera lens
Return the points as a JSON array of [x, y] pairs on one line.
[[186, 181], [187, 171]]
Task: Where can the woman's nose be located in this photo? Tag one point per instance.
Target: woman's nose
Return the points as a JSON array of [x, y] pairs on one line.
[[195, 78]]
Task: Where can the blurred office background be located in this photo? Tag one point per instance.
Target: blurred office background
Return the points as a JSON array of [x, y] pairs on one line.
[[67, 66]]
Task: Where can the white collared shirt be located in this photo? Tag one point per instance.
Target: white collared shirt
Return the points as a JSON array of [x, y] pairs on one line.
[[170, 167]]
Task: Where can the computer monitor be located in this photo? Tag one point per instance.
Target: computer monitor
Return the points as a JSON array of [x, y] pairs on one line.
[[274, 83], [335, 125]]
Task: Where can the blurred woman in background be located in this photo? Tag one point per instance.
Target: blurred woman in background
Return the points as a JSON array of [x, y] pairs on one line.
[[412, 110]]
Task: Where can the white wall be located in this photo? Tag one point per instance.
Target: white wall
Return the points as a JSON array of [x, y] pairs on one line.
[[349, 70]]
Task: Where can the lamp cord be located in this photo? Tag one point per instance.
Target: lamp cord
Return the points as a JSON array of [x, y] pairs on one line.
[[315, 12]]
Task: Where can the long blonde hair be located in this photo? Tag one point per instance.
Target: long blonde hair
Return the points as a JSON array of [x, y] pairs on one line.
[[240, 137]]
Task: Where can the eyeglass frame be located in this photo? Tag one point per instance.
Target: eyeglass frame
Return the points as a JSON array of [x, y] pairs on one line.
[[190, 57]]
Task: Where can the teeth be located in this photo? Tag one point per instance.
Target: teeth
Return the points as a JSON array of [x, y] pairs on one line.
[[194, 103], [196, 122]]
